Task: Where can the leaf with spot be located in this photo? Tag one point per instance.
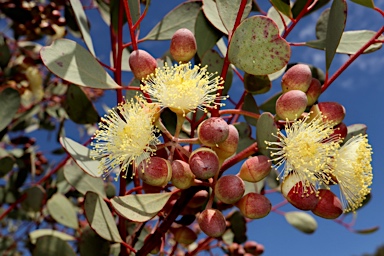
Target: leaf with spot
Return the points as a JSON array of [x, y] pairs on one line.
[[257, 48], [70, 61], [277, 17]]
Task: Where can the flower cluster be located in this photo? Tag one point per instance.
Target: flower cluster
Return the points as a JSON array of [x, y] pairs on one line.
[[309, 149]]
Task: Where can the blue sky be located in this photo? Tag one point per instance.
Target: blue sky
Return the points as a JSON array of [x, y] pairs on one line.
[[359, 89]]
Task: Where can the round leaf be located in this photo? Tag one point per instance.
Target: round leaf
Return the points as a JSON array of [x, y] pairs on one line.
[[265, 127], [82, 181], [34, 235], [35, 197], [212, 14], [140, 207], [70, 61], [92, 244], [100, 217], [82, 156], [10, 102], [62, 210], [302, 221], [228, 10], [355, 129], [52, 246], [6, 165], [276, 17], [257, 48]]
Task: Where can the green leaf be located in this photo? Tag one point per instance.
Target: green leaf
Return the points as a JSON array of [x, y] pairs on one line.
[[300, 4], [35, 197], [336, 21], [215, 64], [302, 221], [321, 24], [250, 106], [5, 55], [367, 230], [70, 61], [104, 11], [245, 136], [206, 35], [92, 244], [124, 60], [52, 246], [83, 156], [78, 106], [183, 16], [212, 14], [257, 48], [82, 22], [366, 3], [270, 104], [355, 129], [82, 181], [62, 211], [276, 17], [238, 227], [10, 102], [34, 235], [265, 127], [141, 207], [350, 42], [228, 10], [100, 217], [6, 165], [283, 6]]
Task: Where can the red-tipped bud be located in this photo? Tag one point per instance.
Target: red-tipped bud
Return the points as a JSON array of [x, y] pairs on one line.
[[302, 197], [182, 176], [254, 206], [329, 206], [204, 163], [142, 64], [253, 248], [331, 112], [212, 222], [291, 105], [184, 235], [228, 147], [199, 199], [256, 84], [183, 45], [213, 131], [340, 130], [297, 77], [156, 172], [313, 92], [255, 168], [229, 189]]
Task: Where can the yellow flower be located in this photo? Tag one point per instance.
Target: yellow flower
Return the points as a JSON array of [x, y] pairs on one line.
[[306, 149], [183, 88], [353, 171], [126, 136]]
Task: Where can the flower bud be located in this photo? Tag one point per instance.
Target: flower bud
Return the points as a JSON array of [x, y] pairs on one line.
[[229, 189], [182, 176], [156, 172], [340, 130], [291, 105], [184, 235], [253, 248], [254, 206], [213, 131], [255, 168], [199, 199], [303, 198], [313, 92], [204, 163], [228, 147], [142, 64], [212, 222], [331, 112], [329, 206], [298, 77], [183, 45], [256, 84]]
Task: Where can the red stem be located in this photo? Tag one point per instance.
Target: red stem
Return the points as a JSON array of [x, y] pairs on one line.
[[329, 81], [239, 157], [130, 25], [298, 18]]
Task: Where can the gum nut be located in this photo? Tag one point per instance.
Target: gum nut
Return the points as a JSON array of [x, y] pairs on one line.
[[313, 92], [213, 131], [204, 163], [298, 77], [182, 176], [254, 206], [212, 222], [302, 198], [331, 112], [199, 199], [255, 168], [183, 45], [229, 146], [142, 64], [291, 105], [229, 189], [184, 235], [156, 172], [329, 206]]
